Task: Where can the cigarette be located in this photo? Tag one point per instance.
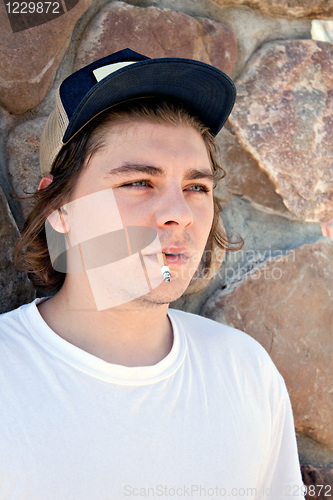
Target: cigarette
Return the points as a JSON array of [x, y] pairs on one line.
[[164, 267]]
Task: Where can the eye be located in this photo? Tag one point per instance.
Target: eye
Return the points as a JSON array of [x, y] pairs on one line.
[[139, 184], [199, 188]]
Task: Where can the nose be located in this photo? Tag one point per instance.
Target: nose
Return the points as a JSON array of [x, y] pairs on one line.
[[173, 209]]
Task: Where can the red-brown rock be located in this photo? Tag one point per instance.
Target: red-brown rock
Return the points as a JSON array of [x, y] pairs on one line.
[[318, 482], [287, 305], [244, 177], [30, 58], [157, 33], [319, 9], [283, 117]]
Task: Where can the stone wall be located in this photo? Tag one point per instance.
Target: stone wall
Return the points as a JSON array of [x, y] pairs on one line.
[[277, 150]]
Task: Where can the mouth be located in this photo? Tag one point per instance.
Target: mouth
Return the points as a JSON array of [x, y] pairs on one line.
[[174, 257]]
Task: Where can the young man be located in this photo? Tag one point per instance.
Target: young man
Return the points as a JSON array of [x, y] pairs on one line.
[[105, 392]]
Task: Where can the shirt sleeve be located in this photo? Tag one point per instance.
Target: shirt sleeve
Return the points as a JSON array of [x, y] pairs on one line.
[[282, 479]]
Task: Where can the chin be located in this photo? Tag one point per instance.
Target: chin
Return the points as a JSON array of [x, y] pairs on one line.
[[165, 293]]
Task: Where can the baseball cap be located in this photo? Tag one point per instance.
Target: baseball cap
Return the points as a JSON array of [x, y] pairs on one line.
[[206, 91]]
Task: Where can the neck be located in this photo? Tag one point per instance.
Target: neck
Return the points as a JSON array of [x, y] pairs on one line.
[[137, 333]]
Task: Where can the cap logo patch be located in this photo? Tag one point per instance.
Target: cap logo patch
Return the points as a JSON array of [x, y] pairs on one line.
[[104, 71]]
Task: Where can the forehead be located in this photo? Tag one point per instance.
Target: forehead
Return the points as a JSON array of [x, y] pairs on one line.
[[171, 143]]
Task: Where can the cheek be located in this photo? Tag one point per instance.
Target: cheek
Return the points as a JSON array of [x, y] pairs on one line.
[[85, 186], [202, 228], [131, 212], [205, 215]]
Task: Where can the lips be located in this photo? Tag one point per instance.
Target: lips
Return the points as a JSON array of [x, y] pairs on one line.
[[176, 251], [175, 259], [174, 255]]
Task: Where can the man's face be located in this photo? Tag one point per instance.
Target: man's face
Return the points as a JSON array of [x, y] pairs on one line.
[[161, 177]]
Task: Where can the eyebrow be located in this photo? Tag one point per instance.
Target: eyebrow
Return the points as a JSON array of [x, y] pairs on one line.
[[132, 168]]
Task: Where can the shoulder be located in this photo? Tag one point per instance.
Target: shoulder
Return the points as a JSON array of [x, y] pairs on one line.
[[10, 316], [16, 321], [211, 332], [226, 347], [15, 313]]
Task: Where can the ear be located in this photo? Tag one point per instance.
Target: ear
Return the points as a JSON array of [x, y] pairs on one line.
[[46, 181], [59, 220]]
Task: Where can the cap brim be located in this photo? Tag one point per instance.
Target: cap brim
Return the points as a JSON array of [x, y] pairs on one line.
[[205, 90]]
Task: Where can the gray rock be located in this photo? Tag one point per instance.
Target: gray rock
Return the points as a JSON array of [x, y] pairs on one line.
[[23, 165], [311, 452], [15, 287], [265, 236]]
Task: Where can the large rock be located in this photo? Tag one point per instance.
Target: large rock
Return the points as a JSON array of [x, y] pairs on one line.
[[244, 177], [157, 33], [319, 9], [314, 453], [15, 287], [30, 58], [283, 117], [23, 165], [287, 305]]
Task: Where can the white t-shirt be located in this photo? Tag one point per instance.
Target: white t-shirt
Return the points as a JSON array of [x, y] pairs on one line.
[[211, 420]]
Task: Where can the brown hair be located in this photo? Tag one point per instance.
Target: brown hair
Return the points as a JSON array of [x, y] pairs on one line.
[[31, 253]]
